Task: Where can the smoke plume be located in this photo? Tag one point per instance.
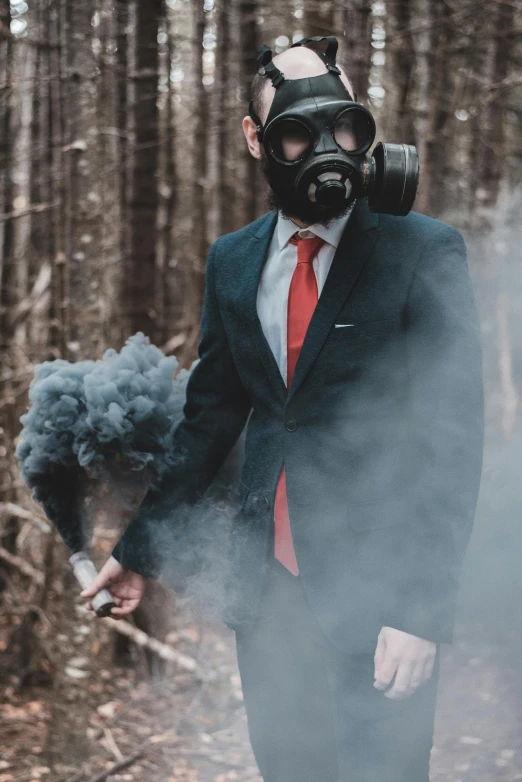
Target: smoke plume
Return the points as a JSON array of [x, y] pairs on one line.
[[87, 417]]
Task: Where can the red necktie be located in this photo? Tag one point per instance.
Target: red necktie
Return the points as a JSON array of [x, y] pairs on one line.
[[302, 299]]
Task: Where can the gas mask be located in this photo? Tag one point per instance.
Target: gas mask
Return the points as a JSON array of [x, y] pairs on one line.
[[316, 138]]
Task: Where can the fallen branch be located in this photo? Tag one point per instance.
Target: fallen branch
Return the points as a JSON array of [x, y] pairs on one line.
[[37, 298], [211, 755], [163, 650], [119, 766], [11, 509], [21, 565], [174, 342], [111, 745], [31, 209]]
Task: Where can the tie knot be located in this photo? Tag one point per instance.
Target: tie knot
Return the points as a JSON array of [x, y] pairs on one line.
[[307, 247]]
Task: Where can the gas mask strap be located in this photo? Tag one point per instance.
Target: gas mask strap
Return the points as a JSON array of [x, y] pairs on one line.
[[264, 58], [259, 125], [271, 71], [328, 57]]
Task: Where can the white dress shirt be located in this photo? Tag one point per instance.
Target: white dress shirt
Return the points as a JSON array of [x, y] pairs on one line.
[[272, 293]]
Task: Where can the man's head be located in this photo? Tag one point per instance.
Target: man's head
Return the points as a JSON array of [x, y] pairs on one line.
[[295, 63]]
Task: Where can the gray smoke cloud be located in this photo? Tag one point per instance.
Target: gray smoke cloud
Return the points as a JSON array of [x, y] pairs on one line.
[[45, 451], [86, 417]]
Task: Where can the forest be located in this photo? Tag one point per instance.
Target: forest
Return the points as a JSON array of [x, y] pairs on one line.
[[122, 159]]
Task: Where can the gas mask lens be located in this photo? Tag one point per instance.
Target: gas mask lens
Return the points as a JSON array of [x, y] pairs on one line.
[[354, 130], [290, 141]]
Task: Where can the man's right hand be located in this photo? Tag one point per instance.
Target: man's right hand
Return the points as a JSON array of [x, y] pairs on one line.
[[125, 586]]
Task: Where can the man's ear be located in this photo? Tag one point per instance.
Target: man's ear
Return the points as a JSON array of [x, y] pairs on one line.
[[250, 131]]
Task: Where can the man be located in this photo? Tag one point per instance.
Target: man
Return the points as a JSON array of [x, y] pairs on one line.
[[349, 341]]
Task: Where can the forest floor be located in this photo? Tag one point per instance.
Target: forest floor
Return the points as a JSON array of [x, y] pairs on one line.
[[101, 723]]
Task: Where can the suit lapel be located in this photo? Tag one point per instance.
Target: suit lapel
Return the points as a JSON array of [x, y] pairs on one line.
[[357, 242], [255, 254]]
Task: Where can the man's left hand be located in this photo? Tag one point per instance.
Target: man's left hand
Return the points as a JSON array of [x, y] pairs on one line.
[[409, 658]]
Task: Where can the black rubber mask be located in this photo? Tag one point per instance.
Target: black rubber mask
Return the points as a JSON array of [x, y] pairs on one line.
[[316, 137]]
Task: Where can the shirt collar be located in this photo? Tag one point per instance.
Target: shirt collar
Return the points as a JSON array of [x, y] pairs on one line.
[[286, 228]]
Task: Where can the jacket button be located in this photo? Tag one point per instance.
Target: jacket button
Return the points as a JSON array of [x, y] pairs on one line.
[[291, 425]]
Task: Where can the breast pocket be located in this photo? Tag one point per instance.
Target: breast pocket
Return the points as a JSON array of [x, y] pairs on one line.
[[374, 353], [344, 329]]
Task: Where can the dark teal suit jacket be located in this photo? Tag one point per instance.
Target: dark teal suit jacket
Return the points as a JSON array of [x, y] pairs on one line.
[[381, 432]]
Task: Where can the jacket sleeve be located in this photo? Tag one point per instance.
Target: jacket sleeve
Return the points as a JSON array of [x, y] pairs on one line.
[[447, 421], [216, 409]]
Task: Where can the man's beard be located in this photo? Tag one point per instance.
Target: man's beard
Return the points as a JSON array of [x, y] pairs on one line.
[[284, 199]]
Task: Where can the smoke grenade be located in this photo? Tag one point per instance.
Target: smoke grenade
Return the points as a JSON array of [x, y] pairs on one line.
[[85, 572]]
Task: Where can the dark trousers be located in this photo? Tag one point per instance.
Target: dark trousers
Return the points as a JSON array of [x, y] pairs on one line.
[[313, 712]]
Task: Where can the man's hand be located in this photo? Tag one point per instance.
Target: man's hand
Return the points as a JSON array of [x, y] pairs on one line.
[[125, 586], [410, 658]]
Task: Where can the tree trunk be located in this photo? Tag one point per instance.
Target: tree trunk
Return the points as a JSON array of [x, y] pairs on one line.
[[496, 102], [7, 283], [422, 41], [477, 70], [121, 10], [318, 18], [168, 190], [399, 84], [59, 312], [86, 289], [357, 26], [8, 277], [108, 172], [196, 254], [249, 45], [25, 61], [441, 109], [201, 161], [140, 276], [226, 103], [40, 188]]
